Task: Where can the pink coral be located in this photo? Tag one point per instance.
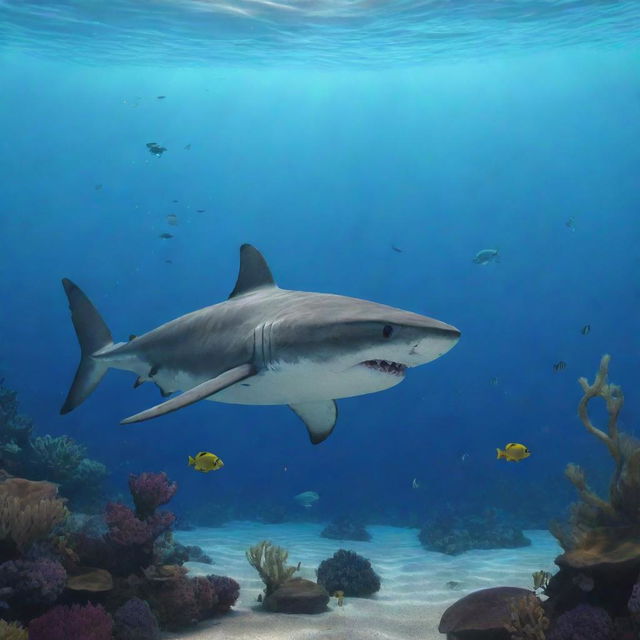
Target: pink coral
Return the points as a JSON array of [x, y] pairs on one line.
[[149, 491], [89, 622]]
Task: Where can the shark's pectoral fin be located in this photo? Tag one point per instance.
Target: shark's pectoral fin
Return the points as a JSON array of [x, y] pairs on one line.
[[319, 417], [200, 392]]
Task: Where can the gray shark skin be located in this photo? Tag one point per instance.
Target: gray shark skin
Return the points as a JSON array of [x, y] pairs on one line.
[[264, 345]]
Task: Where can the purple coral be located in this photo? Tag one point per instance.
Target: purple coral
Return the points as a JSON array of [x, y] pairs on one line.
[[89, 622], [583, 623], [135, 621], [149, 491], [126, 529], [227, 590], [32, 582]]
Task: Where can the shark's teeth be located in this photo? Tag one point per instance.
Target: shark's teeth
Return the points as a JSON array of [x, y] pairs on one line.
[[384, 366]]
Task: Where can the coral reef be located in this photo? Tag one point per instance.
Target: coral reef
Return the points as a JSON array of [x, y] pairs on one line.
[[453, 534], [28, 512], [601, 540], [482, 615], [227, 590], [270, 562], [583, 623], [12, 631], [345, 528], [135, 621], [89, 622], [595, 595], [57, 459], [348, 572], [528, 619], [149, 491]]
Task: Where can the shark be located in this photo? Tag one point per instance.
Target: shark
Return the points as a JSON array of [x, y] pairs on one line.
[[262, 346]]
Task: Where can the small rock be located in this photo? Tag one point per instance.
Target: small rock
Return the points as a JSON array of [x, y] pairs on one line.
[[481, 615], [297, 595]]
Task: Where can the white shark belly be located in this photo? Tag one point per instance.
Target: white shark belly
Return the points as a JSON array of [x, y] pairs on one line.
[[290, 384]]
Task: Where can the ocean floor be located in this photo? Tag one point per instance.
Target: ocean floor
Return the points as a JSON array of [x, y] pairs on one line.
[[413, 595]]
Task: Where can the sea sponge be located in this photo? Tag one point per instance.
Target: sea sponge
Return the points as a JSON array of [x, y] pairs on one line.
[[348, 572]]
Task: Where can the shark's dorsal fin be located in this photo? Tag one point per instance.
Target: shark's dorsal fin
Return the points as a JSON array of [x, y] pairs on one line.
[[254, 272]]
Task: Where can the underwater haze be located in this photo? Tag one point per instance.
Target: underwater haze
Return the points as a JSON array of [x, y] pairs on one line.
[[366, 149]]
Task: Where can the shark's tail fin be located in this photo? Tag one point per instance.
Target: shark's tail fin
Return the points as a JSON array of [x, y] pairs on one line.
[[93, 335]]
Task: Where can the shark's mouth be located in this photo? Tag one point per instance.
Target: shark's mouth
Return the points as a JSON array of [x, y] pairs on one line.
[[384, 366]]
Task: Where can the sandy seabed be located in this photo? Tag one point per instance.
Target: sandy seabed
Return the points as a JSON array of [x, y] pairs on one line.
[[412, 598]]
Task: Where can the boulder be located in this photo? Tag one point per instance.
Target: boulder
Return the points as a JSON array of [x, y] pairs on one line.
[[297, 595], [481, 615]]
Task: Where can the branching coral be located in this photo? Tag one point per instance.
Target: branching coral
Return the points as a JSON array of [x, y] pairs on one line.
[[59, 456], [149, 491], [622, 509], [28, 511], [12, 631], [270, 562], [528, 620]]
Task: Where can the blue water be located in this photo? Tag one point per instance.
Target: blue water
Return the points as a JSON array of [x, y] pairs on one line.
[[325, 133]]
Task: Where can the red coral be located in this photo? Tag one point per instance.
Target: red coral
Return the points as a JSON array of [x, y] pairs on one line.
[[90, 622], [227, 590], [149, 491], [175, 604], [124, 527]]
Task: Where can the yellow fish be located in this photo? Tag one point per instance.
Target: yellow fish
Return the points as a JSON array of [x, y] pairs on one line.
[[513, 452], [205, 462]]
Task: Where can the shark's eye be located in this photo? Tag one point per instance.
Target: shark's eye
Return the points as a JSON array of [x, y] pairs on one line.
[[387, 330]]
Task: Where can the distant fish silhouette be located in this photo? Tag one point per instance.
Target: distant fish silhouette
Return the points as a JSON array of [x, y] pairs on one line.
[[200, 210], [166, 236], [396, 249], [161, 97], [559, 366], [187, 147], [98, 187], [585, 330], [571, 223]]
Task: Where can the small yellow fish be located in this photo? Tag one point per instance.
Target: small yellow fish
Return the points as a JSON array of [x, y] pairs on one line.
[[339, 596], [513, 452], [205, 462]]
